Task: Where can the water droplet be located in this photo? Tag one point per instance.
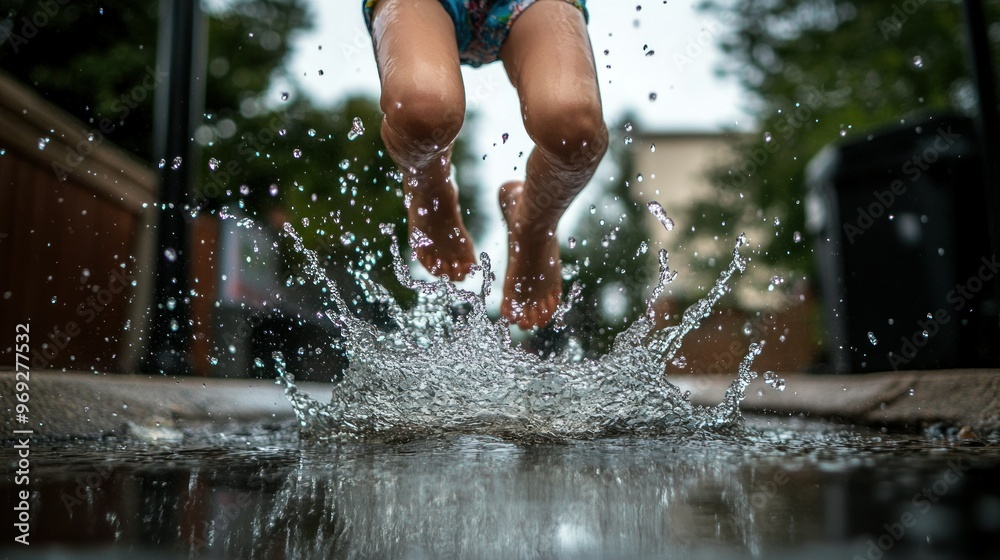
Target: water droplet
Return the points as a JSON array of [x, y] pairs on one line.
[[777, 280], [296, 153], [777, 222], [170, 254], [282, 132], [244, 190], [504, 137], [357, 129], [311, 132], [213, 164], [344, 164], [843, 132], [918, 61], [661, 215], [774, 381], [593, 209], [273, 190], [571, 242], [171, 304], [872, 339], [768, 137], [176, 164], [652, 96], [162, 164], [43, 143], [419, 239], [284, 96], [797, 237], [628, 127], [652, 148]]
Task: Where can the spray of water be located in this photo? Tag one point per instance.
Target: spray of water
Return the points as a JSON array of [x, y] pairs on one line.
[[435, 372]]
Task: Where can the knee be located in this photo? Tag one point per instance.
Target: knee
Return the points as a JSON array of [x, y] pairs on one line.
[[429, 115], [571, 131]]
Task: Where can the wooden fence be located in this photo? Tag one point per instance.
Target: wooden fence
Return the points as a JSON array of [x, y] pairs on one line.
[[75, 238]]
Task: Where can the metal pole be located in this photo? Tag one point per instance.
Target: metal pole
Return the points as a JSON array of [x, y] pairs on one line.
[[178, 102], [988, 121]]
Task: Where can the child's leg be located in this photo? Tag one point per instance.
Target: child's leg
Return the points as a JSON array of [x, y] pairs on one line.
[[550, 61], [423, 99]]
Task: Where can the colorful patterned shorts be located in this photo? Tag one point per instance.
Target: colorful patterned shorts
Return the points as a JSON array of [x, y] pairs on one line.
[[480, 25]]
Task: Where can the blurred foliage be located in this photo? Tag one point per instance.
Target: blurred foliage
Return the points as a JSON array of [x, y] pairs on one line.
[[90, 58], [822, 71]]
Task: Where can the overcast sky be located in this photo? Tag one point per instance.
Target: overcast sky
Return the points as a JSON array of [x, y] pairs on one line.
[[688, 94]]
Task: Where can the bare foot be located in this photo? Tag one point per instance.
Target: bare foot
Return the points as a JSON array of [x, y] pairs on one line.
[[437, 234], [533, 286]]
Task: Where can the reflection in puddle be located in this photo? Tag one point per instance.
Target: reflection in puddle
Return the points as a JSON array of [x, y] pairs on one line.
[[818, 490]]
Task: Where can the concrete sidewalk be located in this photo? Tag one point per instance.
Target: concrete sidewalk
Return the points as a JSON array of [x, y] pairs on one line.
[[908, 400], [75, 404]]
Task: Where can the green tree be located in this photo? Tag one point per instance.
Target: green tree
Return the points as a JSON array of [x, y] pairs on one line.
[[91, 58], [248, 140], [819, 71]]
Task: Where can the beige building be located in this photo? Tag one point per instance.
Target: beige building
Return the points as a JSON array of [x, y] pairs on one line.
[[673, 168]]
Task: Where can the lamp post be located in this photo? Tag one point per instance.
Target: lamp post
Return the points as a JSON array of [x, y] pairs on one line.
[[988, 121], [180, 51]]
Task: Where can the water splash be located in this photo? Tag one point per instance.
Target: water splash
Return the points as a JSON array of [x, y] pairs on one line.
[[433, 371]]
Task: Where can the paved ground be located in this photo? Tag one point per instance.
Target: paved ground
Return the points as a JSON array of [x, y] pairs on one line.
[[901, 400], [75, 404]]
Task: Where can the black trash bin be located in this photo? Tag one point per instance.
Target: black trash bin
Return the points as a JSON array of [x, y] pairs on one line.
[[907, 276]]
